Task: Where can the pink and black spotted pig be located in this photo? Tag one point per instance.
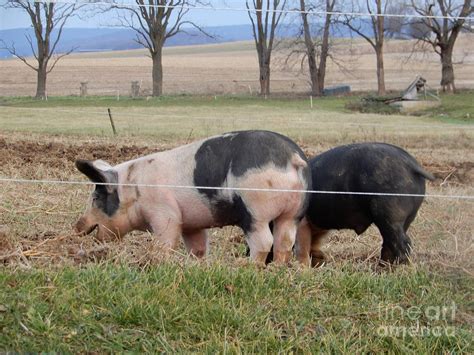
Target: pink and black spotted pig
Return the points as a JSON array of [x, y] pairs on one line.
[[244, 159]]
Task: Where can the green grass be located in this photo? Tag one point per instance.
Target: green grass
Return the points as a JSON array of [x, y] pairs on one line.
[[214, 308], [454, 108], [173, 118], [457, 108], [324, 103]]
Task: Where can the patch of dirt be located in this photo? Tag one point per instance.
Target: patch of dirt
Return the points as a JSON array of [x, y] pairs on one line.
[[460, 172], [58, 155], [65, 248]]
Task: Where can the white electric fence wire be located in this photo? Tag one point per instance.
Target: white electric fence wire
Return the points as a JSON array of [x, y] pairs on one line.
[[223, 188], [253, 10]]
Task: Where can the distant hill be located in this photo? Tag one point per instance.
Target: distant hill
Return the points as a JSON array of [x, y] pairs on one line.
[[111, 39]]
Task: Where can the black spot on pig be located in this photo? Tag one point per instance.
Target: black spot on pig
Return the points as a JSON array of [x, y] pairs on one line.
[[106, 201], [238, 152], [104, 197], [233, 213]]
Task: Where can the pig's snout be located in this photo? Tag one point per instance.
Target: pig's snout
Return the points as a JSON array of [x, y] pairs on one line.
[[83, 228]]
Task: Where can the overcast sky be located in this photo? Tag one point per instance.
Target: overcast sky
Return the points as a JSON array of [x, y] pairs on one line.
[[15, 18]]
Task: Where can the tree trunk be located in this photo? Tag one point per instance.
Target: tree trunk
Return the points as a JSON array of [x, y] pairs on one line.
[[324, 49], [379, 29], [380, 71], [447, 70], [321, 77], [310, 52], [157, 73], [264, 65], [314, 74], [41, 81]]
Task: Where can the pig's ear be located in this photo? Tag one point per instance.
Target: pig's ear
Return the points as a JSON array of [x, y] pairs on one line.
[[96, 171]]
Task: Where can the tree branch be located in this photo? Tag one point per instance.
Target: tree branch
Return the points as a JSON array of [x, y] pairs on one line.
[[12, 50]]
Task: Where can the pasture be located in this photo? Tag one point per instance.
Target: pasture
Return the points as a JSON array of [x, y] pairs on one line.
[[68, 293], [232, 68]]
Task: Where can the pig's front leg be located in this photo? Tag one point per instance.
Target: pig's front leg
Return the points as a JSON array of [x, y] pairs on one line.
[[317, 256], [167, 231], [308, 244], [196, 242], [303, 243], [284, 235]]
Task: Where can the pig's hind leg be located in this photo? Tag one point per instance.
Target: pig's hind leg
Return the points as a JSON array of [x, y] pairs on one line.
[[196, 242], [260, 241], [390, 217], [396, 245]]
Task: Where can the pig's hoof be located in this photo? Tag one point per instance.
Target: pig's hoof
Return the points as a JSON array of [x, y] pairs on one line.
[[282, 257], [304, 261], [388, 257], [199, 254], [260, 257], [318, 258]]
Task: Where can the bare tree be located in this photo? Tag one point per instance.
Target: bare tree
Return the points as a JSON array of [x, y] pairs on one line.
[[376, 10], [45, 17], [155, 21], [265, 17], [441, 34], [317, 48]]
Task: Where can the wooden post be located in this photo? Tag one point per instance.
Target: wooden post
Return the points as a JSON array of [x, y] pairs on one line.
[[112, 122], [135, 89], [83, 89]]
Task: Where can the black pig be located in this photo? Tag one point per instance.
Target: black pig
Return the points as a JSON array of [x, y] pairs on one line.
[[363, 167]]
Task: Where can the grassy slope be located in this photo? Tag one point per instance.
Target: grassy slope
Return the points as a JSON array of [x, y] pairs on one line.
[[335, 103], [454, 109], [171, 118], [216, 308], [190, 117]]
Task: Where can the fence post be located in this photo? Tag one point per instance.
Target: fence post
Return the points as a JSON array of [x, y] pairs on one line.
[[135, 89], [112, 122], [83, 89]]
